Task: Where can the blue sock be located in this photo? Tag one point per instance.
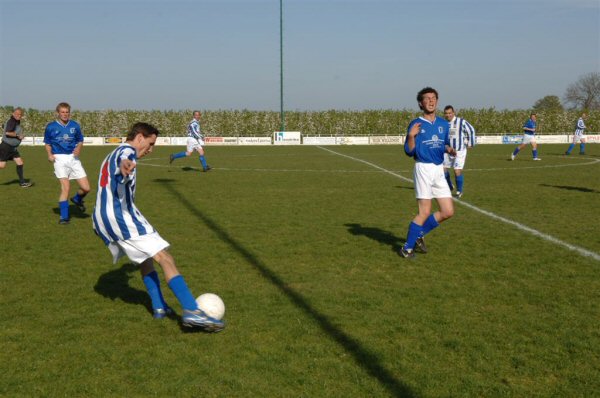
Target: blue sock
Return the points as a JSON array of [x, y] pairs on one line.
[[179, 155], [203, 161], [460, 183], [570, 148], [183, 294], [582, 148], [414, 232], [516, 151], [447, 175], [429, 224], [534, 153], [153, 287], [78, 198], [64, 210]]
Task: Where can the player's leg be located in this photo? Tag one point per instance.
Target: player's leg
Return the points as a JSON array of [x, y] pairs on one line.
[[63, 204], [517, 150], [2, 164], [534, 151], [571, 146], [19, 163], [84, 189], [152, 282], [582, 146], [205, 165]]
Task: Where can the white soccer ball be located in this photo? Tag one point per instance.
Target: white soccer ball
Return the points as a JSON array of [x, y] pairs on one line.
[[212, 305]]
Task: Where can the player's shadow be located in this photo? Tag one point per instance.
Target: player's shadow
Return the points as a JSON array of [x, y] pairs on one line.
[[363, 357], [378, 235], [74, 212], [11, 182], [115, 285], [571, 188]]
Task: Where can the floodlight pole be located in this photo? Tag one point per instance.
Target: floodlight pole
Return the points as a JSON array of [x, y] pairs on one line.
[[281, 112]]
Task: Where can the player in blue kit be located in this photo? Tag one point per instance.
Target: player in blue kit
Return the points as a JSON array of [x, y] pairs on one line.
[[426, 141], [462, 137], [195, 142], [125, 231], [528, 138], [579, 136], [63, 139]]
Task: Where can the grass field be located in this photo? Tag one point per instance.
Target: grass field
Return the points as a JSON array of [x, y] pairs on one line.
[[300, 242]]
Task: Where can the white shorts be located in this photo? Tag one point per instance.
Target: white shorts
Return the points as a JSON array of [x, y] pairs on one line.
[[528, 139], [68, 166], [430, 181], [578, 137], [138, 249], [194, 144], [455, 162]]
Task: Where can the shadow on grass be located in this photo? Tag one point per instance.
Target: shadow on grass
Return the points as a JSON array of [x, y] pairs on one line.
[[11, 182], [571, 188], [115, 285], [378, 235], [74, 212], [362, 356]]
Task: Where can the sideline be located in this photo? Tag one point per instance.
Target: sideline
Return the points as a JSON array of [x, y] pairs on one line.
[[522, 227]]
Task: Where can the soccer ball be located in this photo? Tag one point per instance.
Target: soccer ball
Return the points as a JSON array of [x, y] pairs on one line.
[[212, 305]]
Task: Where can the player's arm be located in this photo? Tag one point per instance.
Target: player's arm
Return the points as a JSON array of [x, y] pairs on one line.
[[77, 149], [49, 152], [409, 144], [10, 130]]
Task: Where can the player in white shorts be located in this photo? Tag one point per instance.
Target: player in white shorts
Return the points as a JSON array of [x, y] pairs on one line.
[[125, 231], [579, 136], [64, 140], [195, 142], [528, 138], [426, 141], [462, 137]]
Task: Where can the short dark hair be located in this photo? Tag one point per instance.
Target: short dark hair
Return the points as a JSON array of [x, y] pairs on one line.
[[424, 91], [142, 128], [448, 107], [63, 105], [533, 114]]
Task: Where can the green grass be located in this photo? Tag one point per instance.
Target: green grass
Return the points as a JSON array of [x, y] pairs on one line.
[[300, 244]]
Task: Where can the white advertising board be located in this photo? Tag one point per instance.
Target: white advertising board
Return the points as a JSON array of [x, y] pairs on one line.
[[254, 141], [353, 140], [319, 141], [386, 140], [286, 138]]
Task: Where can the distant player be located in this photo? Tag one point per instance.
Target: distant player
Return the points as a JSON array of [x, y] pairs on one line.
[[528, 138], [11, 139], [64, 140], [462, 136], [427, 141], [125, 231], [195, 142], [579, 136]]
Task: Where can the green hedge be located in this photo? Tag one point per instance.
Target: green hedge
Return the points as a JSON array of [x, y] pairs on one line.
[[332, 122]]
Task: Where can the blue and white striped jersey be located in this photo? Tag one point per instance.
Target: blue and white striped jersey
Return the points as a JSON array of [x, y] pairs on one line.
[[579, 130], [115, 215], [461, 134], [194, 130], [430, 142]]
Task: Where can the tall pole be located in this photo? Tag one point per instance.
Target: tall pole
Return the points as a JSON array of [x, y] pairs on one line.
[[282, 114]]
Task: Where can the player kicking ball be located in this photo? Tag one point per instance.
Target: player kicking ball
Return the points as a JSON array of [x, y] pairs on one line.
[[125, 231]]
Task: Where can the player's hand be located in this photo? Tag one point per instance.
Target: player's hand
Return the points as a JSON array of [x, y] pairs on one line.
[[414, 130], [51, 158], [451, 151], [127, 167]]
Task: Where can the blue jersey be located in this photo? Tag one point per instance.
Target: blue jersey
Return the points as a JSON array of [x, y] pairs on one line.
[[194, 130], [461, 134], [530, 124], [63, 138], [430, 142], [115, 215]]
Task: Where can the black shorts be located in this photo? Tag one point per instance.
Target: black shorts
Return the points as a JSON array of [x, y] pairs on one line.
[[8, 152]]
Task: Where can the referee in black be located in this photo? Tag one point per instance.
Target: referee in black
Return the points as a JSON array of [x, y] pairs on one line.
[[11, 139]]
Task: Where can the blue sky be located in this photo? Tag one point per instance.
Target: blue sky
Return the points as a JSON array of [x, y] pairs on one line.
[[369, 54]]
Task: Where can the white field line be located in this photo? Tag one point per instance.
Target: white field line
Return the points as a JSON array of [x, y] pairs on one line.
[[522, 227]]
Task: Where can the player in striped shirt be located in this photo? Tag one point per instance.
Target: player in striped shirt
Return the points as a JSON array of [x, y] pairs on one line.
[[195, 142], [125, 231], [427, 141], [462, 136], [579, 136]]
